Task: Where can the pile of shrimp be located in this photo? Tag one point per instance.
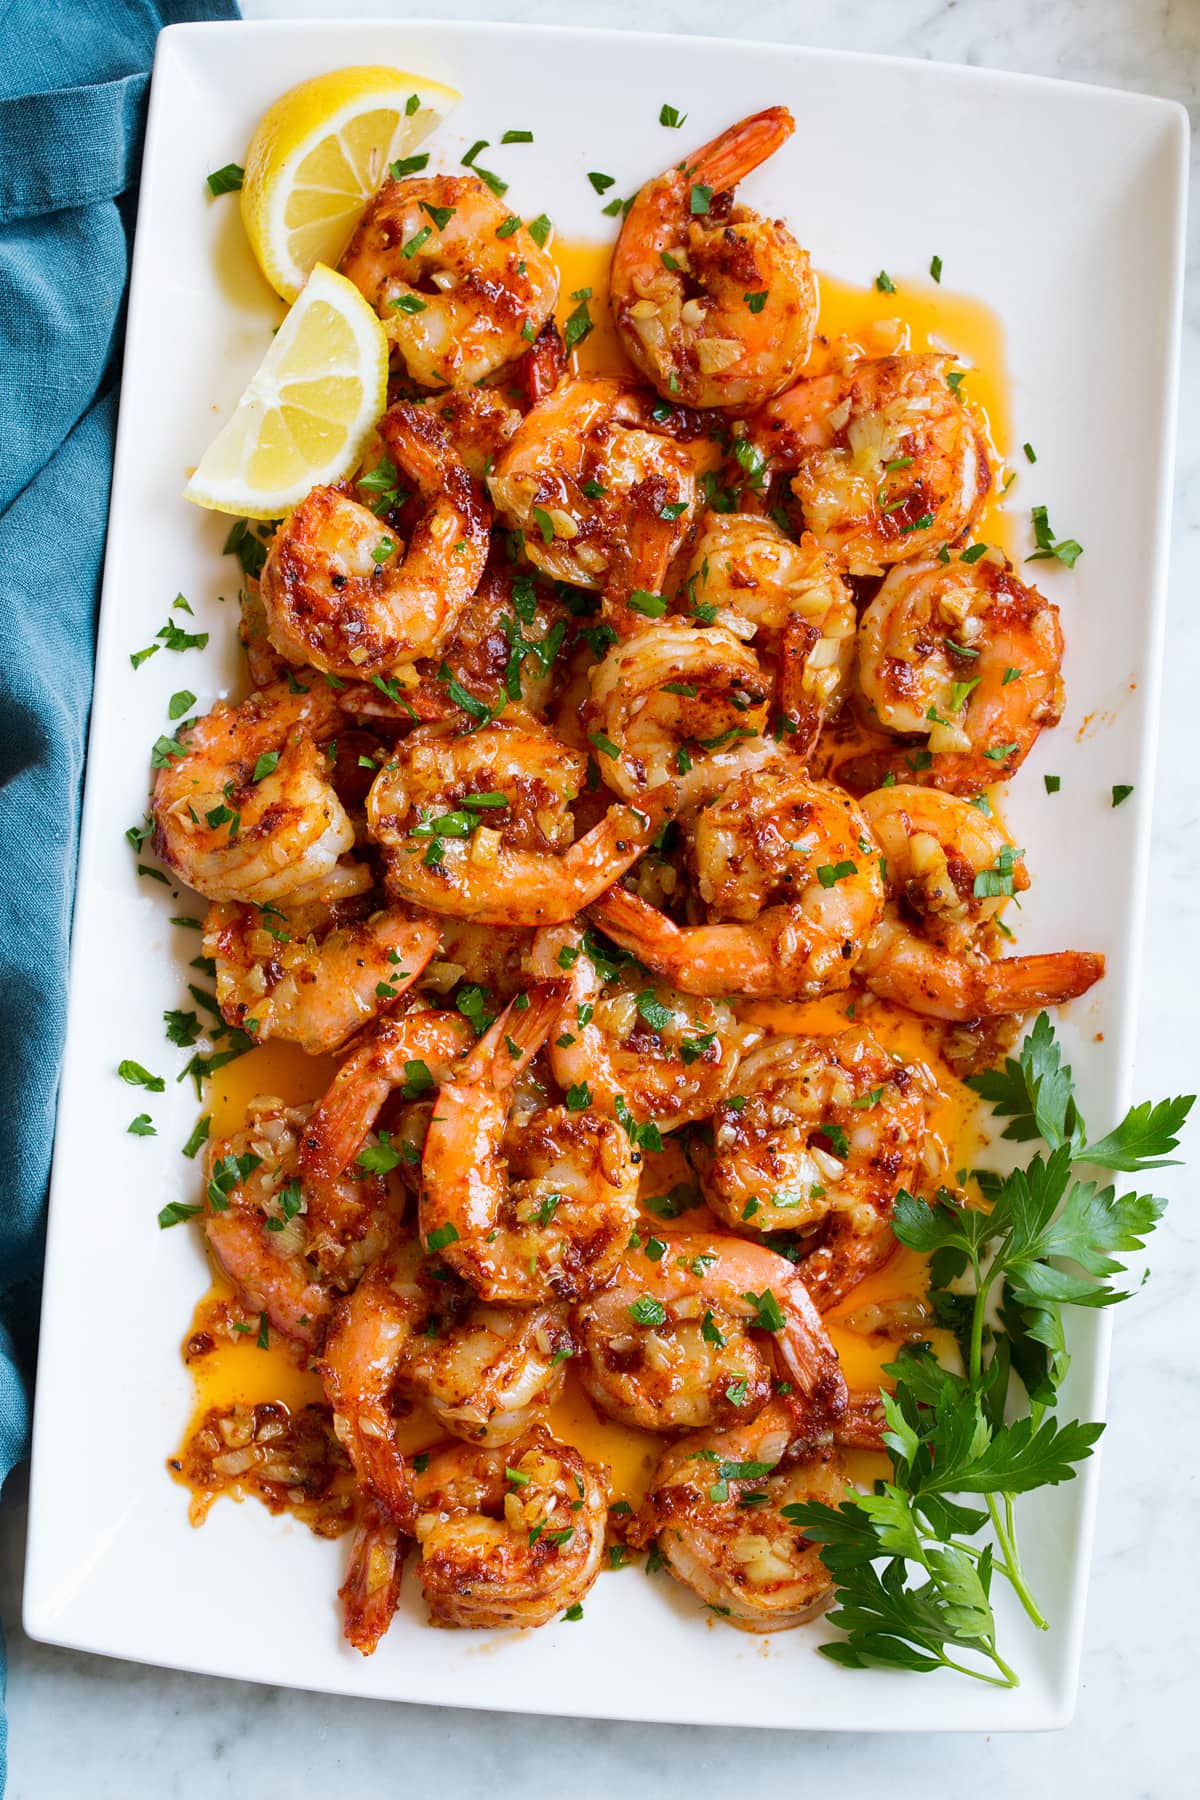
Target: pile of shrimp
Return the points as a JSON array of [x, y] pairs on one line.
[[537, 797]]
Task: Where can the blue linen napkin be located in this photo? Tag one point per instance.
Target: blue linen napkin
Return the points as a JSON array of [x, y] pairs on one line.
[[74, 76]]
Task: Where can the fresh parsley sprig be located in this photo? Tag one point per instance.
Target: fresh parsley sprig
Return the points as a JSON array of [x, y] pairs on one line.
[[914, 1582]]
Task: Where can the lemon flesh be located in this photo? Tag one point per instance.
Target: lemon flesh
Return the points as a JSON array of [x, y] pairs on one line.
[[308, 410], [318, 155]]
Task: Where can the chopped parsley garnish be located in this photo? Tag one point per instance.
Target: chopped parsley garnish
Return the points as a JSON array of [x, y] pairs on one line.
[[1120, 792], [443, 1235], [176, 1212], [651, 606], [828, 874], [671, 117], [539, 230], [756, 299], [579, 323], [137, 1076], [1065, 550], [227, 180], [645, 1310], [884, 282], [699, 199], [768, 1312], [997, 882], [935, 268]]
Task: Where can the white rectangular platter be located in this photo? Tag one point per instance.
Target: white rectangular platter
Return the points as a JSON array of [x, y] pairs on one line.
[[1064, 207]]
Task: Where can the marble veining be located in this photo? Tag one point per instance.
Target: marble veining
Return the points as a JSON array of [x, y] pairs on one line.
[[119, 1732]]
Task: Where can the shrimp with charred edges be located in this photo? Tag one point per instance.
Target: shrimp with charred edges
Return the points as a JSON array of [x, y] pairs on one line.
[[612, 799]]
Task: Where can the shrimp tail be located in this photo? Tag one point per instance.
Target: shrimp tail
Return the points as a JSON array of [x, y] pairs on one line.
[[371, 1589], [737, 152], [512, 1041], [346, 1112], [641, 558], [542, 367], [810, 1359], [1025, 983], [846, 1256]]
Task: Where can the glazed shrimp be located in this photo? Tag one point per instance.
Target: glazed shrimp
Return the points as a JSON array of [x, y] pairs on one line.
[[666, 698], [790, 875], [342, 594], [508, 1537], [478, 825], [478, 422], [691, 1330], [886, 461], [714, 304], [458, 300], [525, 1208], [311, 974], [666, 1057], [827, 1132], [924, 954], [372, 1586], [243, 808], [258, 1225], [487, 1376], [790, 600], [719, 1508], [416, 1050], [965, 656], [584, 466], [369, 1338]]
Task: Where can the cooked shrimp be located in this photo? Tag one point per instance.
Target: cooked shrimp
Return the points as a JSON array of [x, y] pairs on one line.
[[478, 422], [635, 1040], [790, 600], [478, 825], [790, 875], [949, 870], [369, 1338], [825, 1133], [344, 595], [719, 1507], [460, 293], [502, 649], [887, 461], [416, 1050], [488, 1375], [372, 1586], [714, 304], [312, 974], [584, 466], [666, 1345], [261, 1226], [965, 656], [666, 698], [524, 1207], [508, 1537], [486, 956], [243, 808]]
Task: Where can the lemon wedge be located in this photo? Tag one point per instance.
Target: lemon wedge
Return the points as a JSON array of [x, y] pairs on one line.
[[319, 154], [309, 409]]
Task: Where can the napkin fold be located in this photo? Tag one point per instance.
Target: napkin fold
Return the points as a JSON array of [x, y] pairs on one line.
[[74, 76]]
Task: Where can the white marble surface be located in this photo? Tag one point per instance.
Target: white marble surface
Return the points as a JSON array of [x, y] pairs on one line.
[[82, 1724]]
